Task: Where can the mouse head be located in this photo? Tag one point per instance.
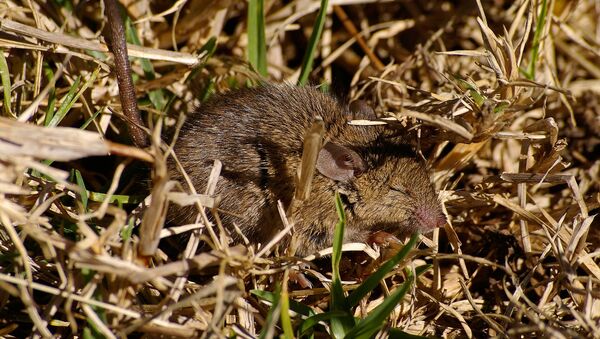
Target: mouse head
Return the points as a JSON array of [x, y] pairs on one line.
[[383, 187]]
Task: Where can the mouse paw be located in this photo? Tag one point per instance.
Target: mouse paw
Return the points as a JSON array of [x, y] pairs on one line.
[[300, 279], [383, 239]]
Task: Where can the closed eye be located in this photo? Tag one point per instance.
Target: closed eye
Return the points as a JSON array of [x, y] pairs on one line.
[[399, 189]]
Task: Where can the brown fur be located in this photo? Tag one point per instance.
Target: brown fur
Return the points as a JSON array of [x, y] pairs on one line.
[[258, 135]]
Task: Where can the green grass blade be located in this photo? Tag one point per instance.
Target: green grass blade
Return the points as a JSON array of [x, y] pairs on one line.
[[208, 49], [115, 198], [339, 325], [373, 280], [257, 44], [315, 37], [84, 193], [67, 5], [127, 231], [87, 333], [48, 119], [314, 320], [422, 269], [71, 98], [94, 331], [49, 73], [66, 104], [6, 86], [208, 91], [158, 97], [367, 327], [96, 54], [473, 90], [286, 322], [294, 305], [90, 119], [537, 37], [270, 322], [338, 237]]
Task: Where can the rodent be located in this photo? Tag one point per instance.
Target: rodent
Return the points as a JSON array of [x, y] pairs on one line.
[[257, 133]]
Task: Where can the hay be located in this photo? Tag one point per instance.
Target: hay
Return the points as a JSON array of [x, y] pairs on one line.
[[503, 98]]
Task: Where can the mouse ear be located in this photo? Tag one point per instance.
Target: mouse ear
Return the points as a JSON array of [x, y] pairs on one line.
[[339, 162], [361, 110]]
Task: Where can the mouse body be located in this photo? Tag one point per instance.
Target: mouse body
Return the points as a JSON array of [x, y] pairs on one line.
[[257, 133]]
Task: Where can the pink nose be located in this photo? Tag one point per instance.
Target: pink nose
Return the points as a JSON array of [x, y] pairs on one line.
[[430, 218]]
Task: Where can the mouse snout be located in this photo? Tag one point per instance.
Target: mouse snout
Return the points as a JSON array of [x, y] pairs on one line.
[[430, 218]]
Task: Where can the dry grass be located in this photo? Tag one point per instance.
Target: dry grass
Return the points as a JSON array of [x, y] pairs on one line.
[[506, 103]]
